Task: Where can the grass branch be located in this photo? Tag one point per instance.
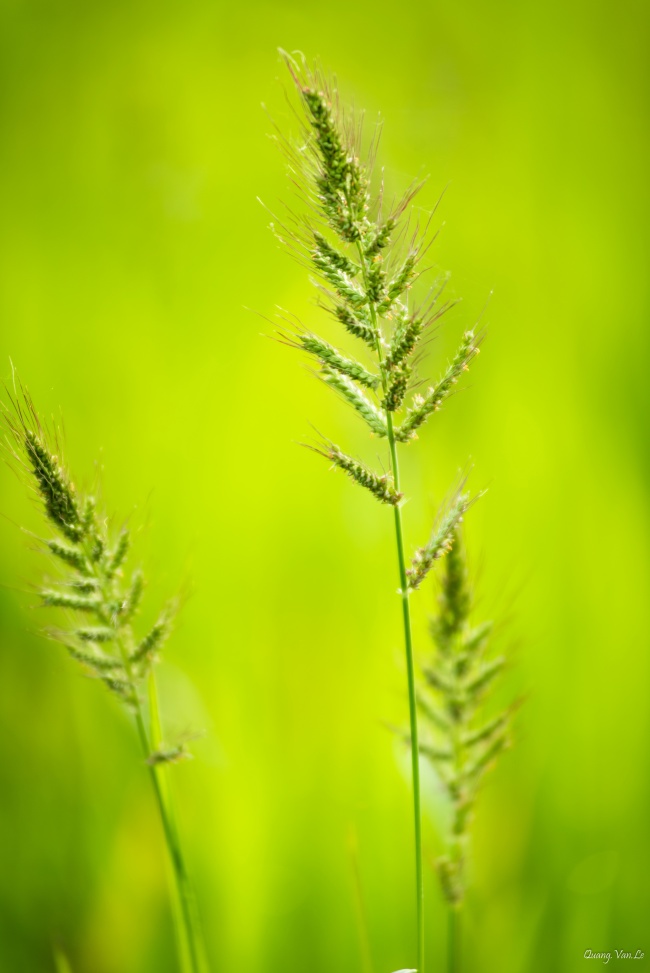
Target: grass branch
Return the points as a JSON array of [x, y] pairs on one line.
[[93, 582]]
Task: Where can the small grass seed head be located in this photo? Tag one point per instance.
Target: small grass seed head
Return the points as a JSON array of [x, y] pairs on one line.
[[54, 487]]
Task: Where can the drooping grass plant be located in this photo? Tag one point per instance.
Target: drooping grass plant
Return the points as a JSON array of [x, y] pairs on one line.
[[102, 599], [463, 743], [366, 255]]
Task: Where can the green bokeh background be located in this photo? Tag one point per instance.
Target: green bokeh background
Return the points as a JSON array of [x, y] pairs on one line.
[[131, 246]]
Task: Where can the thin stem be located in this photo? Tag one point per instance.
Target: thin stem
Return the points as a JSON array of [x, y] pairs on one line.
[[183, 888], [187, 932], [185, 918], [453, 944], [410, 675], [408, 638], [177, 909]]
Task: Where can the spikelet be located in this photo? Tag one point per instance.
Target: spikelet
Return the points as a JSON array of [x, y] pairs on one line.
[[329, 357], [357, 322], [400, 283], [73, 556], [425, 405], [119, 553], [362, 405], [381, 486], [144, 654], [439, 544], [63, 599]]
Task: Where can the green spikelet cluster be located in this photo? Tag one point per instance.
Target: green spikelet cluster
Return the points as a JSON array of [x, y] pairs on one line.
[[464, 744], [366, 278], [94, 584]]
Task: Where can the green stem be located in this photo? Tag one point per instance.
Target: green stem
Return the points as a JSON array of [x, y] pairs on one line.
[[410, 675], [186, 925], [408, 639], [453, 945], [191, 954], [183, 887]]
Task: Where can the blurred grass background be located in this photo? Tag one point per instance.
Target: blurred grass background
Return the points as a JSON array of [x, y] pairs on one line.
[[133, 147]]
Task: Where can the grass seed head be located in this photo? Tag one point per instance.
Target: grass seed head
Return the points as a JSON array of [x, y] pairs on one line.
[[90, 558], [456, 680]]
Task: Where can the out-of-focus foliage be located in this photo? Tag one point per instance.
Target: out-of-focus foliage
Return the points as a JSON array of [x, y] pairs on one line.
[[131, 243]]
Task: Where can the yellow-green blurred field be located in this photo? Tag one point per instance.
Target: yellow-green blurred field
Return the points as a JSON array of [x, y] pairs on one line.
[[133, 147]]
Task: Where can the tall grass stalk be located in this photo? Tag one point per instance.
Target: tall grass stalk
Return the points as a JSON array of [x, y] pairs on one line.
[[366, 254], [101, 603], [462, 741]]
